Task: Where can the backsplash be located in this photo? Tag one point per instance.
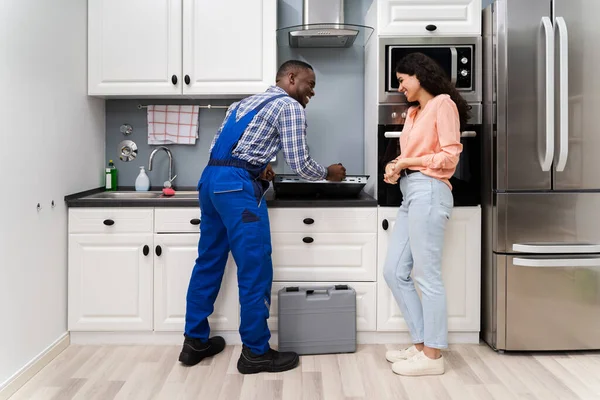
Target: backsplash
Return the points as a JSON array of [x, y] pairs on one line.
[[334, 115]]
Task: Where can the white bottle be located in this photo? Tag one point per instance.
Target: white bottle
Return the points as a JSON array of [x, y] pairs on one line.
[[142, 182]]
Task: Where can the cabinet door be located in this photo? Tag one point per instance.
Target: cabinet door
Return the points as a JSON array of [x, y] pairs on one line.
[[172, 272], [229, 46], [134, 47], [110, 282], [461, 272], [430, 18]]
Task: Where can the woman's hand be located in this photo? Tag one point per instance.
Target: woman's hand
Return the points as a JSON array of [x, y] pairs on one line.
[[390, 175], [393, 169]]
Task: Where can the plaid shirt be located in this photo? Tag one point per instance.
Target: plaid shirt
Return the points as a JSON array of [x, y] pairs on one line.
[[280, 124]]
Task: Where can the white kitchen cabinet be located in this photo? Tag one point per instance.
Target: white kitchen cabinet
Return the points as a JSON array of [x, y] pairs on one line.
[[110, 282], [366, 302], [324, 244], [110, 269], [229, 47], [324, 256], [461, 271], [134, 47], [172, 272], [177, 48], [429, 18], [126, 276]]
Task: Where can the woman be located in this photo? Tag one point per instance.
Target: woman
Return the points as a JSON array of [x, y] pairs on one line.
[[430, 148]]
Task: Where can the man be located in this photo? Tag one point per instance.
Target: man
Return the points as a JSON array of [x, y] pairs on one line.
[[234, 215]]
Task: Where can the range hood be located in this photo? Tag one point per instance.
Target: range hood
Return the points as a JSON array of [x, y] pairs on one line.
[[323, 25]]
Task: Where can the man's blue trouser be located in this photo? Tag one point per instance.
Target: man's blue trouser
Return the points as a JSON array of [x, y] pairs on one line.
[[233, 217]]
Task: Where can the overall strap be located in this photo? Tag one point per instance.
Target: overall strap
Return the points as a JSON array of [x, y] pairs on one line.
[[231, 134]]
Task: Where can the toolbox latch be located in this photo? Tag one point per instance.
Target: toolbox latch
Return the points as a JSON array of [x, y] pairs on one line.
[[292, 289], [341, 287]]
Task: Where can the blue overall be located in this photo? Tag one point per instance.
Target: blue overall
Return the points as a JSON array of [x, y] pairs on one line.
[[235, 218]]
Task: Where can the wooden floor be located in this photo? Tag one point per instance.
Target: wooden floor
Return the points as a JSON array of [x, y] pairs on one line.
[[153, 372]]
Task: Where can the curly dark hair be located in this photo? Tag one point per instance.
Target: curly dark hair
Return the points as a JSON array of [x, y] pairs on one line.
[[434, 80]]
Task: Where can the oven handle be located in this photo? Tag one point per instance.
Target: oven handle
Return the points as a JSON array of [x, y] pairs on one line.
[[454, 65], [396, 134], [392, 135]]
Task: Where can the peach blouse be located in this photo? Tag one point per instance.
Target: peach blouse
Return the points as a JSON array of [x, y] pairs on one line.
[[433, 137]]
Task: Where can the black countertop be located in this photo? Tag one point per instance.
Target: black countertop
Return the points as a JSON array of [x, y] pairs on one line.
[[83, 199]]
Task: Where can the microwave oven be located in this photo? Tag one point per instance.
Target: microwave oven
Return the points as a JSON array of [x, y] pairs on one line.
[[459, 57]]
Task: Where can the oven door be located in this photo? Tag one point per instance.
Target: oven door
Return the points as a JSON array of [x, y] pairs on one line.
[[458, 57]]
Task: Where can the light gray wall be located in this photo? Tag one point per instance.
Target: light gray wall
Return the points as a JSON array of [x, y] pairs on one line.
[[334, 115], [485, 3]]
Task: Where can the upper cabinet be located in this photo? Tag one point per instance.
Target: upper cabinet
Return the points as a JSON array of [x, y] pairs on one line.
[[429, 17], [172, 48]]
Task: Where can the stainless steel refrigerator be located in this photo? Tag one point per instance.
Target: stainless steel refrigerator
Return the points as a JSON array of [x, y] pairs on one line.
[[541, 176]]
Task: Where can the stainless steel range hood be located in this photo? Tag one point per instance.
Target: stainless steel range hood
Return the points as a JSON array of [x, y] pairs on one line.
[[323, 25]]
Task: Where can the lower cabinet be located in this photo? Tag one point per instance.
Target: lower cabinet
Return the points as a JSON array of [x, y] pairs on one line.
[[110, 282], [461, 271], [129, 269]]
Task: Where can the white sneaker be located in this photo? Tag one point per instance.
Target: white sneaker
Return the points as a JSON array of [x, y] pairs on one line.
[[399, 355], [419, 364]]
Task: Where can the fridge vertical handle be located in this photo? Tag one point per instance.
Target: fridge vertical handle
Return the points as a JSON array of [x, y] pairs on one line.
[[563, 85], [548, 107]]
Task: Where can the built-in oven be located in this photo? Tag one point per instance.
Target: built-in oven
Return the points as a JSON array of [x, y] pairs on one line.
[[459, 57], [466, 181]]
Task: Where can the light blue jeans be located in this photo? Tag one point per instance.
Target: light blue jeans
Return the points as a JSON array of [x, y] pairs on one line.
[[418, 237]]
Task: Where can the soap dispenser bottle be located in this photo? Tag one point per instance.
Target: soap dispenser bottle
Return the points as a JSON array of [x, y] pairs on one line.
[[142, 182], [110, 177]]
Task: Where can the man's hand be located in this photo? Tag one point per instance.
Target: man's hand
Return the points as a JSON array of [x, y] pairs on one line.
[[268, 174], [336, 172]]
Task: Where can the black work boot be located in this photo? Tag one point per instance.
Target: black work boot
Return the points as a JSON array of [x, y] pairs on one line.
[[271, 361], [195, 351]]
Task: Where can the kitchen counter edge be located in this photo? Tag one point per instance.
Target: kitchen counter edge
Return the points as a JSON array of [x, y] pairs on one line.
[[80, 200]]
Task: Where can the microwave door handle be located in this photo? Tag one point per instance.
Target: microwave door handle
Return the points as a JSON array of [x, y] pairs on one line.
[[453, 65], [563, 76], [546, 109]]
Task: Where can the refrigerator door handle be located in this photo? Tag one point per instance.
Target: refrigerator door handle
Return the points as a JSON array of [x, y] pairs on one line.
[[546, 110], [557, 262], [555, 248], [563, 75]]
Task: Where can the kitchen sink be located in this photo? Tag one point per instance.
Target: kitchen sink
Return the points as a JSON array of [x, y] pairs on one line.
[[133, 195]]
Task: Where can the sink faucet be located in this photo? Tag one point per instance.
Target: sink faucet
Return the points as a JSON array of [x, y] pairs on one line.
[[167, 184]]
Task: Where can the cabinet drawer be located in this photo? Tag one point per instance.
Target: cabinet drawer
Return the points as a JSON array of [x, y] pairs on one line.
[[111, 220], [366, 303], [430, 18], [324, 256], [325, 220], [185, 219]]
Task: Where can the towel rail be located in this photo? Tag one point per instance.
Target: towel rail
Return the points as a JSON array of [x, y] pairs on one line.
[[139, 106]]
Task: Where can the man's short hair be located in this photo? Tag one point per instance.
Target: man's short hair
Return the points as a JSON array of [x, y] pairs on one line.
[[291, 65]]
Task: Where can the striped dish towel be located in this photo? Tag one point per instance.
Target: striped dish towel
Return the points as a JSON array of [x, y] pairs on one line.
[[172, 124]]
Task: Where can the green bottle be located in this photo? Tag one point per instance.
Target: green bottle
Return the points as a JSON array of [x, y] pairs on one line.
[[111, 177]]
